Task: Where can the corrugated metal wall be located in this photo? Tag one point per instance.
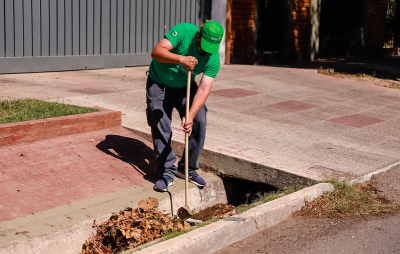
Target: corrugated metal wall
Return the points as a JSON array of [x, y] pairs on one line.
[[51, 35]]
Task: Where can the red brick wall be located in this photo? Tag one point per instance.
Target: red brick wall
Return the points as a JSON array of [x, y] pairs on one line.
[[240, 31], [301, 24], [34, 130], [241, 27], [377, 20]]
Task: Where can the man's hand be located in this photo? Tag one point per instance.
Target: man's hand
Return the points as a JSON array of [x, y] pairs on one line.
[[162, 53], [187, 125], [189, 62]]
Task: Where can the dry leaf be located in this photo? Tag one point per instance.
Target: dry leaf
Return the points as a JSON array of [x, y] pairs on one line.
[[152, 201], [150, 204], [143, 204]]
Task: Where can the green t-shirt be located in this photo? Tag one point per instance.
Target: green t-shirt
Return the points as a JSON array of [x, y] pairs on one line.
[[182, 38]]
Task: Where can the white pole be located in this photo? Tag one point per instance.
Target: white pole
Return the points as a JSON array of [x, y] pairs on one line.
[[218, 13]]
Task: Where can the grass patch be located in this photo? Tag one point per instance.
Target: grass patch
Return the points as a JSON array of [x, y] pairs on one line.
[[270, 196], [32, 109], [347, 200], [172, 234]]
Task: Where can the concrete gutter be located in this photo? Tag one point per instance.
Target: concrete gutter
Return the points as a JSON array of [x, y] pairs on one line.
[[236, 228]]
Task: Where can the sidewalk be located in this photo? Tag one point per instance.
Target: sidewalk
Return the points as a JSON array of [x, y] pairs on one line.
[[291, 121], [275, 125]]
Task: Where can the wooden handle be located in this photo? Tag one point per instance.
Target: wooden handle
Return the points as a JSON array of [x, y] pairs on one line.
[[187, 139]]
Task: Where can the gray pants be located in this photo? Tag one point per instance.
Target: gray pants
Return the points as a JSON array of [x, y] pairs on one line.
[[161, 100]]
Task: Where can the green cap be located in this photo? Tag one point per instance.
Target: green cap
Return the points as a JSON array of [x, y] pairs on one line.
[[211, 33]]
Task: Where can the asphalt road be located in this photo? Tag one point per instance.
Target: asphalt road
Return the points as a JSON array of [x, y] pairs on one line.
[[368, 234]]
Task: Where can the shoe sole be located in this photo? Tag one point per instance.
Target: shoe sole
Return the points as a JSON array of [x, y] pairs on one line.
[[158, 189], [196, 183]]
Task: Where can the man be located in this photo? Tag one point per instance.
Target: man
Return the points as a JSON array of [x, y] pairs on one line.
[[185, 47]]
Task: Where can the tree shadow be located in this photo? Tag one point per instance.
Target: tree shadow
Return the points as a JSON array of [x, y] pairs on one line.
[[132, 151]]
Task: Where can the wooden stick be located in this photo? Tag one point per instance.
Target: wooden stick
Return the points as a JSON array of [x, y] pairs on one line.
[[187, 140]]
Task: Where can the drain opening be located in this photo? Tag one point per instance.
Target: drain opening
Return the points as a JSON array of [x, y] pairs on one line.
[[240, 191]]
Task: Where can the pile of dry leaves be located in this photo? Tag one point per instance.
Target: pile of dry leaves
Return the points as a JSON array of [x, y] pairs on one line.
[[131, 228]]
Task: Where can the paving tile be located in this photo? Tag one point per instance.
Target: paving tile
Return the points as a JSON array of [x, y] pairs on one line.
[[364, 122], [356, 120], [292, 106], [347, 119], [234, 93]]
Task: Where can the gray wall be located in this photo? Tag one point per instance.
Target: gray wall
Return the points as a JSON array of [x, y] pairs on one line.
[[54, 35]]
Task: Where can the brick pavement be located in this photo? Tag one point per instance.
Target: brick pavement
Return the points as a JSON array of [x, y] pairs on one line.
[[40, 175]]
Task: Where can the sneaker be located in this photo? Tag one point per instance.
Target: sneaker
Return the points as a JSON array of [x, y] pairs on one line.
[[196, 179], [163, 183]]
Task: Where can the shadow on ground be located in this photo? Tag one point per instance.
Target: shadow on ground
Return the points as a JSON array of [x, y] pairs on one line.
[[132, 151]]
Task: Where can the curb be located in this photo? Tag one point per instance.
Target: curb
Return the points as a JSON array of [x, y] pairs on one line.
[[34, 130], [368, 176], [217, 235]]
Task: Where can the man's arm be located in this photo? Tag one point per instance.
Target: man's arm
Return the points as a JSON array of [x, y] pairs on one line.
[[162, 53], [199, 99]]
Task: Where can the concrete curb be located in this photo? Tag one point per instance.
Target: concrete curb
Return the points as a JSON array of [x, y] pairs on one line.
[[236, 228], [34, 130], [367, 177]]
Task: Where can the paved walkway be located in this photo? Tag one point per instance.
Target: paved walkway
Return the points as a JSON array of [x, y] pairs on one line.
[[290, 119], [49, 173], [285, 120]]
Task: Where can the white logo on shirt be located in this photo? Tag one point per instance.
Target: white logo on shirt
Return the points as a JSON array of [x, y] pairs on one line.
[[174, 33]]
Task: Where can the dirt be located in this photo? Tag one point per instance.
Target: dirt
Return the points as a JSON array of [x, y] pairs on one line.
[[368, 76], [356, 234], [218, 210], [388, 184]]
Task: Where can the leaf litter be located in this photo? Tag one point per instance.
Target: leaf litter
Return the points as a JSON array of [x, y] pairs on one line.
[[131, 228], [347, 200]]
